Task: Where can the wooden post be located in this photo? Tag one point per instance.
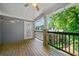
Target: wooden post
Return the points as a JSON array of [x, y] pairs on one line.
[[45, 33]]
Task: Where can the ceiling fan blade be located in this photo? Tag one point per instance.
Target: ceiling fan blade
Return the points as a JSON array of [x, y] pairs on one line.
[[27, 4], [37, 8]]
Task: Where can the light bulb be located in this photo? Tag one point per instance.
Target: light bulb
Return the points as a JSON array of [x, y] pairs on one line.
[[34, 4]]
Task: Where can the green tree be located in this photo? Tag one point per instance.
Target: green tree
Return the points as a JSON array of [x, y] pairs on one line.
[[66, 20]]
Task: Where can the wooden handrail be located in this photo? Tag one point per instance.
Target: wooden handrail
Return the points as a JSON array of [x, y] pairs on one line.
[[67, 33], [38, 31], [65, 41]]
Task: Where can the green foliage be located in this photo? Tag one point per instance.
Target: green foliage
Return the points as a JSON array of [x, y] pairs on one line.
[[66, 20]]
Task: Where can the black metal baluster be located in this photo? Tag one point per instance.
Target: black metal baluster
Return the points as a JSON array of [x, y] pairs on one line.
[[65, 43], [78, 45], [62, 41], [73, 44], [50, 39], [54, 39], [69, 43]]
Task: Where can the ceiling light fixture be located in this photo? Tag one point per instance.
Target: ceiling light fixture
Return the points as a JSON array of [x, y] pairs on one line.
[[35, 5]]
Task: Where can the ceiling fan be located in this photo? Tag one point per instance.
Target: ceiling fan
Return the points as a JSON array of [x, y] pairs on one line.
[[35, 5]]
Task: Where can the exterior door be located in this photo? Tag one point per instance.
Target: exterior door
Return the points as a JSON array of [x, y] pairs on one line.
[[28, 30]]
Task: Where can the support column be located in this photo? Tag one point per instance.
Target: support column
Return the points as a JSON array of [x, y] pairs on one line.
[[45, 33], [33, 29]]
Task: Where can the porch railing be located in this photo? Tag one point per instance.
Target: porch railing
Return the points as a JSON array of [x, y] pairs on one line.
[[65, 41], [39, 35]]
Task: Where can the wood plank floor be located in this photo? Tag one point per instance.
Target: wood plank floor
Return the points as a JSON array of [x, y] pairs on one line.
[[30, 47]]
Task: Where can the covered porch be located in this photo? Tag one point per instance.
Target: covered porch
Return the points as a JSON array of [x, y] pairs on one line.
[[21, 34]]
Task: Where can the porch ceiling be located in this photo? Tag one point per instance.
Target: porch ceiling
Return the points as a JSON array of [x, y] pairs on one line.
[[29, 13]]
